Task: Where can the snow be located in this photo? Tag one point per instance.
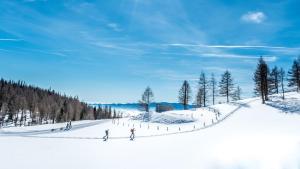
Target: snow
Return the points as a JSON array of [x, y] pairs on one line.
[[291, 105], [247, 135]]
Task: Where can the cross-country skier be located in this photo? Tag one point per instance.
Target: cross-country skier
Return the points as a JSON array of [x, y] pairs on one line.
[[70, 124], [132, 135], [106, 135], [67, 127]]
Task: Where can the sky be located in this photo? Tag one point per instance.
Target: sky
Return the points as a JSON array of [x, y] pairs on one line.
[[110, 51]]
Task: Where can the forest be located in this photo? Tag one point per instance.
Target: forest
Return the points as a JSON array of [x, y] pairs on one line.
[[22, 104]]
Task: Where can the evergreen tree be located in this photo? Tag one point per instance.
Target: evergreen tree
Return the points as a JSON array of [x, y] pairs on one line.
[[199, 97], [226, 85], [213, 84], [203, 86], [294, 75], [261, 79], [42, 105], [147, 98], [274, 81], [185, 94]]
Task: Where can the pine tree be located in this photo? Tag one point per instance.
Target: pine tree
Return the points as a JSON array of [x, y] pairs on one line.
[[261, 79], [213, 84], [274, 81], [203, 86], [199, 97], [294, 75], [147, 98], [226, 85], [185, 94]]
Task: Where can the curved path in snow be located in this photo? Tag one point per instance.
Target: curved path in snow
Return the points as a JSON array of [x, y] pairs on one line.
[[34, 134]]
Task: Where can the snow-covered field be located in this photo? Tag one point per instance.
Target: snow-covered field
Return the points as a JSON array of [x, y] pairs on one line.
[[246, 135]]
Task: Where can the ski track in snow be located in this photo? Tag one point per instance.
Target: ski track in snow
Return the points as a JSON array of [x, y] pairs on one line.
[[35, 133], [48, 131]]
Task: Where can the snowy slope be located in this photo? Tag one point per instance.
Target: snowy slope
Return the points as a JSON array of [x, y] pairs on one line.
[[251, 135]]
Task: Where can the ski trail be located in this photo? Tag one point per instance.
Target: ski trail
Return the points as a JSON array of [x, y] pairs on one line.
[[47, 131], [35, 135]]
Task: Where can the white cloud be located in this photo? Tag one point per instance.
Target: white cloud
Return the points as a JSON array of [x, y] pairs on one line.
[[114, 27], [254, 17], [9, 39], [232, 46]]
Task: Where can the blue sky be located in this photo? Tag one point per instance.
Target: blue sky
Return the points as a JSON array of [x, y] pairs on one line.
[[109, 51]]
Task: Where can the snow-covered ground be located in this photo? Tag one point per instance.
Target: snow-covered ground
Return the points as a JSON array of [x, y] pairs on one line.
[[246, 135]]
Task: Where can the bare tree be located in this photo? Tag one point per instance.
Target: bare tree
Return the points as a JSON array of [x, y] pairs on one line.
[[237, 93], [281, 78]]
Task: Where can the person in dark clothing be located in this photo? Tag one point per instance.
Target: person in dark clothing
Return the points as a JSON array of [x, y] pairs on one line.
[[70, 124], [132, 135], [106, 135], [67, 127]]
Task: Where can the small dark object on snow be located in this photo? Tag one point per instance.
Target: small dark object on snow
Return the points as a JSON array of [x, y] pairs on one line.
[[69, 125], [106, 135], [132, 135]]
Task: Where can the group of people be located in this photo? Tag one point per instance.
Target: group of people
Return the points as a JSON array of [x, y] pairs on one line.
[[132, 134]]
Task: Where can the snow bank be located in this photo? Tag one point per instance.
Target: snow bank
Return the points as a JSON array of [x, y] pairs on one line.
[[290, 105], [253, 136]]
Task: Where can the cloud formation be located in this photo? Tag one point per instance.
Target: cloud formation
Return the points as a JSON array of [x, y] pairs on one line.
[[254, 17], [9, 39], [114, 26]]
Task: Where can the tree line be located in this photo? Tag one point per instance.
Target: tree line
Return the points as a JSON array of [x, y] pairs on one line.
[[209, 87], [273, 82], [24, 104], [266, 82], [225, 88]]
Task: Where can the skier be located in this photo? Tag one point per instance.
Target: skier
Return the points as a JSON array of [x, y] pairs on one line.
[[70, 124], [67, 127], [106, 135], [132, 135]]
